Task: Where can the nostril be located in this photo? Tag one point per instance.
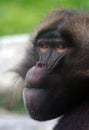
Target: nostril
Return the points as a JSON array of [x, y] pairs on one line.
[[41, 65]]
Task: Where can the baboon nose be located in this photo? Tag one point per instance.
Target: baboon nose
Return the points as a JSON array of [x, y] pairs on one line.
[[41, 65]]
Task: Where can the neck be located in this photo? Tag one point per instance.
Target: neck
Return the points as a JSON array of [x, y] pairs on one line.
[[77, 119]]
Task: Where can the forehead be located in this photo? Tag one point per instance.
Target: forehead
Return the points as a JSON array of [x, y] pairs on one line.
[[49, 34]]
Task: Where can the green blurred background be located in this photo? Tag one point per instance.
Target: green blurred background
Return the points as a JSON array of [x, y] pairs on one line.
[[20, 16]]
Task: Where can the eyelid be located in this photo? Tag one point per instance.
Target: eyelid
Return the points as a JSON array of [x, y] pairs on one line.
[[51, 42], [43, 44], [60, 45], [41, 41]]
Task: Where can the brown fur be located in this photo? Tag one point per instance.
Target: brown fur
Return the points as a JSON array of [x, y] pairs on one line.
[[72, 93]]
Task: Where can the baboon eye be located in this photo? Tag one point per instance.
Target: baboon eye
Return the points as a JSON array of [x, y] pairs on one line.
[[42, 45], [60, 48]]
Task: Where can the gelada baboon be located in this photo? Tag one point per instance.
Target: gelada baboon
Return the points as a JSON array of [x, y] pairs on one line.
[[56, 70]]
